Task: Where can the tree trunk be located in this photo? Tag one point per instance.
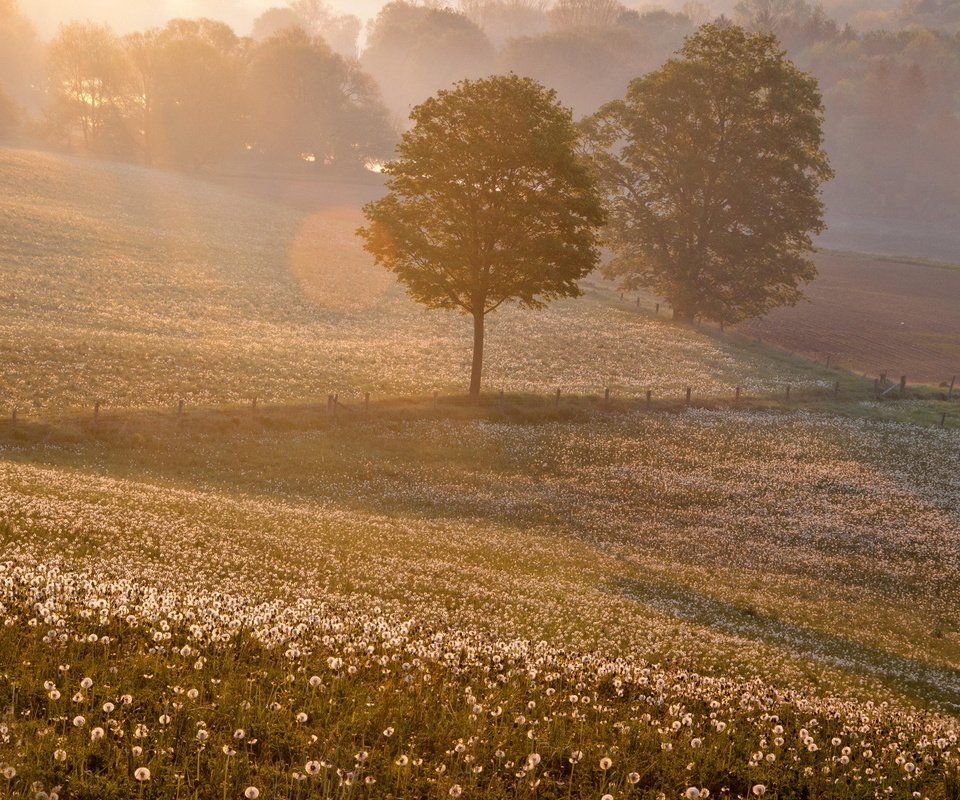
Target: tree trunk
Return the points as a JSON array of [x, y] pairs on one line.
[[478, 318]]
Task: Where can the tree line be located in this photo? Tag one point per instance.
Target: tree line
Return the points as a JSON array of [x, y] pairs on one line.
[[193, 93], [893, 112]]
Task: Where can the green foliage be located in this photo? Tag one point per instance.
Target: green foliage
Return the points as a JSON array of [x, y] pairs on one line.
[[713, 164], [489, 203]]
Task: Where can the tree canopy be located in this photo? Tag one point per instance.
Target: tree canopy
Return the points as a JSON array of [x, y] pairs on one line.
[[412, 51], [713, 164], [331, 112], [489, 202]]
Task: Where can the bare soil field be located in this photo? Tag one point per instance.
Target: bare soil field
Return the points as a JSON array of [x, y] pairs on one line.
[[874, 315]]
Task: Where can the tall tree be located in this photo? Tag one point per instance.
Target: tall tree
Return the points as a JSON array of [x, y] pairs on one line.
[[195, 74], [340, 31], [412, 51], [303, 98], [87, 73], [9, 116], [273, 21], [586, 13], [507, 19], [21, 56], [489, 202], [713, 164]]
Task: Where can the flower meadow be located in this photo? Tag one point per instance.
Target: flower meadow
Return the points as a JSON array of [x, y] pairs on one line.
[[432, 602], [137, 289], [667, 605]]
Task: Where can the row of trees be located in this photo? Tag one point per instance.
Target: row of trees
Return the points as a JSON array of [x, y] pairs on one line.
[[893, 112], [707, 176], [192, 93]]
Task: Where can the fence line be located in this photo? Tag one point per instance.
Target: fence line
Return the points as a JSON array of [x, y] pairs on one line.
[[882, 389]]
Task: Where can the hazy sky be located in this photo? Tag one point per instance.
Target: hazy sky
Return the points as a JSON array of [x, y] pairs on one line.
[[128, 15]]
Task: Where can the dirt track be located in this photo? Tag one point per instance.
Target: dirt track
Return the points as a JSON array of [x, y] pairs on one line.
[[873, 316]]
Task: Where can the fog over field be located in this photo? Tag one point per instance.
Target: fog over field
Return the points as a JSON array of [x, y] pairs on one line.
[[502, 399]]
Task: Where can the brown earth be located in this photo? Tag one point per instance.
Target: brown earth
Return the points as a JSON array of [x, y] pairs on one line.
[[874, 315]]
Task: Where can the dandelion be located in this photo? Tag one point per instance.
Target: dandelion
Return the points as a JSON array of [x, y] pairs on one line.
[[9, 773], [402, 761], [142, 774], [79, 721], [759, 790], [605, 763], [302, 717], [60, 754], [692, 793], [312, 767], [251, 793], [633, 778], [96, 734], [456, 790], [86, 683]]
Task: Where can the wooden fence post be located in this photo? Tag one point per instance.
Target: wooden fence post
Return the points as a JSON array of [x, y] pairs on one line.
[[737, 398], [657, 309], [253, 405], [436, 402], [953, 380], [606, 395], [366, 401], [689, 390], [903, 385], [943, 419], [649, 396], [836, 389], [96, 411], [13, 419], [180, 407], [788, 392], [500, 400], [556, 401]]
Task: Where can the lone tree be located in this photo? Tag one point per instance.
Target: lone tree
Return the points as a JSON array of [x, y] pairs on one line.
[[489, 202], [713, 165]]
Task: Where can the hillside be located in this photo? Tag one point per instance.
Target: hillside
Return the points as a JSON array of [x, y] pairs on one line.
[[138, 288], [592, 601]]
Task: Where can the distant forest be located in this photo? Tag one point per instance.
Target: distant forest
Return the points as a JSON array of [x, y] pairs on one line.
[[299, 94]]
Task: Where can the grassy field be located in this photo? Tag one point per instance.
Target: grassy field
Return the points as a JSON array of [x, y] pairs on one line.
[[138, 288], [583, 601]]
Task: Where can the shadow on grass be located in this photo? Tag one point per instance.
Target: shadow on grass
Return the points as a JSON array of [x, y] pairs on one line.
[[928, 682]]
